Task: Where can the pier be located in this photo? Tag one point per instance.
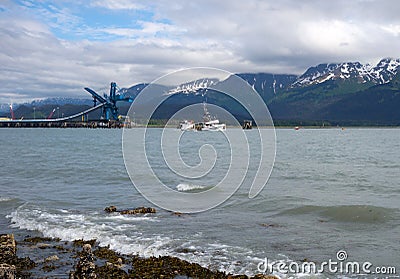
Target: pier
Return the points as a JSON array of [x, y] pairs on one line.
[[110, 117], [64, 124]]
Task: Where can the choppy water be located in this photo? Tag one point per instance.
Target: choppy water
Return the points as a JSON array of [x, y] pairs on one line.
[[330, 190]]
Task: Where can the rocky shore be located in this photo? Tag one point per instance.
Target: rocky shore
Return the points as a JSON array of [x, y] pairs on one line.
[[53, 258], [35, 256]]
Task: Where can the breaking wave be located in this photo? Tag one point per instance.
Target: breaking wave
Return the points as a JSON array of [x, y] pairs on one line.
[[183, 187], [124, 234], [119, 232]]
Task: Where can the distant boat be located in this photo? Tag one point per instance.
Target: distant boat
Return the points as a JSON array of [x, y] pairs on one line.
[[213, 125], [186, 125], [208, 124]]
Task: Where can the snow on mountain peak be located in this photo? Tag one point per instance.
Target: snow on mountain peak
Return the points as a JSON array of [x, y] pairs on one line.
[[383, 72], [192, 87]]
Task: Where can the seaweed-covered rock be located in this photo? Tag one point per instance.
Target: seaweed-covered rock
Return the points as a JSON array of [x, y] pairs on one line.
[[111, 271], [24, 264], [99, 262], [38, 239], [170, 267], [110, 209], [113, 266], [7, 271], [11, 265], [109, 255], [82, 243], [85, 268], [137, 210], [52, 258], [8, 248]]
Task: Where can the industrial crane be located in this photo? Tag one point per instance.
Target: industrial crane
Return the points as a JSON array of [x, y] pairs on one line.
[[109, 108], [108, 104], [12, 112], [51, 114]]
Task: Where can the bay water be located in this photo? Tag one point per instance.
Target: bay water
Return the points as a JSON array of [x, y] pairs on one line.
[[330, 190]]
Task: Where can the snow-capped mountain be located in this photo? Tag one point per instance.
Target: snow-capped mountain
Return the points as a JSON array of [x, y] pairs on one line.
[[382, 73], [385, 70]]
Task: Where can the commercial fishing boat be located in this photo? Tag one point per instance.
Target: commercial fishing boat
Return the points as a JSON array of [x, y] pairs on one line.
[[209, 123], [186, 125]]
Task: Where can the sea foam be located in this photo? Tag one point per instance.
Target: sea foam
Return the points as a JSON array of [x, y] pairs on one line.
[[183, 187]]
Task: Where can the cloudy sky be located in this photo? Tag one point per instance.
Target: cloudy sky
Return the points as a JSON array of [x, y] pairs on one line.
[[55, 48]]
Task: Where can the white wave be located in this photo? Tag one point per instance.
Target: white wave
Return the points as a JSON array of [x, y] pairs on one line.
[[124, 235], [5, 199], [121, 236], [133, 218], [183, 187]]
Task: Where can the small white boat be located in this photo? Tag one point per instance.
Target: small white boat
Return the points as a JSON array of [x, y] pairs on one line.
[[186, 125], [208, 123], [213, 125]]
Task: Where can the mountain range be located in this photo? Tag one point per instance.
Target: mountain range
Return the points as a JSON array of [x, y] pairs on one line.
[[347, 93], [344, 94], [382, 73]]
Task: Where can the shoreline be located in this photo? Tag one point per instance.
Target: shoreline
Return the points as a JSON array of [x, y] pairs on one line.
[[36, 256], [283, 127]]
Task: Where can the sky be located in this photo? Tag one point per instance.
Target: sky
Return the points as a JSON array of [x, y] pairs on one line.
[[55, 48]]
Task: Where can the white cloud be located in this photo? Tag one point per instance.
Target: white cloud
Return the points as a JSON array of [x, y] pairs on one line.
[[118, 4], [238, 36], [393, 29], [146, 30]]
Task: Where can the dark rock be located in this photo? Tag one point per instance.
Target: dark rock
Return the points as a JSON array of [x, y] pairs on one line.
[[37, 239], [85, 268], [101, 262], [24, 263], [81, 242], [60, 248], [114, 263], [7, 271], [170, 267], [11, 265], [138, 210], [52, 258], [109, 255], [8, 248], [49, 267], [43, 246], [111, 271], [110, 209]]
